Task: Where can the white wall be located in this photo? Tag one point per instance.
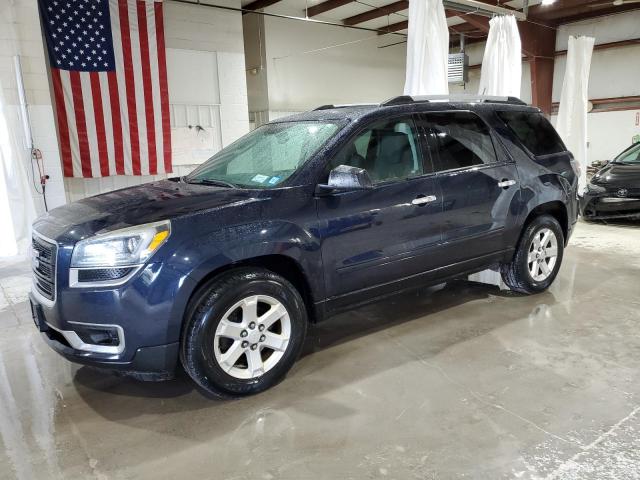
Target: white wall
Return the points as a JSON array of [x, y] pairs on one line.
[[608, 29], [614, 73], [20, 35], [355, 70], [327, 64], [609, 133]]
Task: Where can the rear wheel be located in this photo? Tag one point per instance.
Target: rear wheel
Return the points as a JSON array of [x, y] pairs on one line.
[[538, 257], [243, 332]]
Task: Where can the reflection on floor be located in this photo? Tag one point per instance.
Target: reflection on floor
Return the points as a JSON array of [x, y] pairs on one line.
[[455, 381]]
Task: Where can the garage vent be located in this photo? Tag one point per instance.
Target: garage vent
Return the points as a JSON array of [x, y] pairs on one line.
[[458, 68]]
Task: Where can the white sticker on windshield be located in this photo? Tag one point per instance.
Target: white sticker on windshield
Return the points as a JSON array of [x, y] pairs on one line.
[[259, 178], [274, 180]]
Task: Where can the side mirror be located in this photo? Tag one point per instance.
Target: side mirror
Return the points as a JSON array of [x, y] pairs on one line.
[[345, 178]]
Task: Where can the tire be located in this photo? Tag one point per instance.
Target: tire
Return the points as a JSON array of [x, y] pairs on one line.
[[217, 345], [518, 274]]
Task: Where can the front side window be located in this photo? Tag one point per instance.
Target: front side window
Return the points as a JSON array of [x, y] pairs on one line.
[[267, 156], [388, 150], [461, 140], [631, 155], [534, 131]]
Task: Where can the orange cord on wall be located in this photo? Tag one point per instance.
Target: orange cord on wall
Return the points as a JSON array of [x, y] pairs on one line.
[[36, 156]]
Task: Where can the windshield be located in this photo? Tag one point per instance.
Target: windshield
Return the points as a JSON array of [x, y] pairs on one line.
[[265, 157], [631, 155]]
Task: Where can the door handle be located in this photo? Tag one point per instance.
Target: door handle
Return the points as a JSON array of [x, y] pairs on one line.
[[423, 200], [505, 183]]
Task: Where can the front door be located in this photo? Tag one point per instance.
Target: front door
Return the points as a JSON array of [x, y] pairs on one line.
[[479, 188], [375, 237]]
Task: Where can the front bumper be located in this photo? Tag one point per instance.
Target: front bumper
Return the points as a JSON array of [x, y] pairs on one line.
[[608, 205], [133, 328], [147, 363]]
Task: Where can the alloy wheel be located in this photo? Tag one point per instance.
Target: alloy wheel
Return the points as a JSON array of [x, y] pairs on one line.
[[252, 336], [543, 254]]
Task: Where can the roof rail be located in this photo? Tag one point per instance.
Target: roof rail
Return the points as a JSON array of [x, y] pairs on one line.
[[345, 105], [408, 99]]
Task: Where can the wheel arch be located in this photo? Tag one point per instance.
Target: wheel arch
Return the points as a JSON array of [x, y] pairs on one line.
[[282, 265], [556, 209]]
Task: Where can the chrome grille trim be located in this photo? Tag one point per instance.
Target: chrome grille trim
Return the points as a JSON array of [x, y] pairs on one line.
[[45, 270]]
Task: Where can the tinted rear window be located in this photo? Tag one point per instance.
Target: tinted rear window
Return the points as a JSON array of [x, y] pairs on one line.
[[534, 131], [463, 140]]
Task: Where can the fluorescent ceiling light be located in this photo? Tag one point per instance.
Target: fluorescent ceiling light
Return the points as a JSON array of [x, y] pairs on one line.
[[548, 2]]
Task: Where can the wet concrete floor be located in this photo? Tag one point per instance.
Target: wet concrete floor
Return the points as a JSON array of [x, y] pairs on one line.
[[458, 381]]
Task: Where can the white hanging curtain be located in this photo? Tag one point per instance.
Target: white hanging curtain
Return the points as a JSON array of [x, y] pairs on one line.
[[17, 210], [427, 49], [502, 62], [572, 113], [501, 76]]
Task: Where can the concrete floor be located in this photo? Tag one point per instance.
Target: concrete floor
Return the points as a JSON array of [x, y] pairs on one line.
[[461, 381]]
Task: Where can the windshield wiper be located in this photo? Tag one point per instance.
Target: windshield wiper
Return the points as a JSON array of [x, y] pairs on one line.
[[215, 183]]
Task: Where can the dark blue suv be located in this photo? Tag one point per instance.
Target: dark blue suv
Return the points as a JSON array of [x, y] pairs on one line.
[[222, 270]]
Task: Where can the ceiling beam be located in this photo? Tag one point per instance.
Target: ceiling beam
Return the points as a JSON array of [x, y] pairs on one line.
[[479, 22], [581, 14], [377, 13], [258, 4], [455, 29], [559, 9], [326, 6], [566, 11], [488, 7], [394, 27], [383, 11]]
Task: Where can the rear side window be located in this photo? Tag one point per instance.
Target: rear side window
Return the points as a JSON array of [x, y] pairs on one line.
[[534, 131], [461, 139]]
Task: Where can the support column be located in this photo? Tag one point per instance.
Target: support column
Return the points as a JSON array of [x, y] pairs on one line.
[[539, 45], [542, 83]]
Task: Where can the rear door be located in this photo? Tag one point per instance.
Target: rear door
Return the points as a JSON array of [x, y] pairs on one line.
[[376, 237], [478, 186]]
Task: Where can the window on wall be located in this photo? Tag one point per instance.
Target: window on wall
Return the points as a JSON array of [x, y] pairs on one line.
[[388, 150], [534, 131], [459, 140]]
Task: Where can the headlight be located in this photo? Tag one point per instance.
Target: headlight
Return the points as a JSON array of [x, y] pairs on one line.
[[593, 188], [126, 247]]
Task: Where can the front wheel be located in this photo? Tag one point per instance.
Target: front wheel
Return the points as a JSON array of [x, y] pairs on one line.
[[243, 332], [538, 257]]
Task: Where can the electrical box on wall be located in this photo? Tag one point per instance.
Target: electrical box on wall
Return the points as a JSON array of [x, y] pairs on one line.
[[458, 68]]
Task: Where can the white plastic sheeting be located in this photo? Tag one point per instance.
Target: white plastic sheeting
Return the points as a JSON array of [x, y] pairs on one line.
[[17, 209], [574, 99], [502, 62], [427, 49], [501, 75]]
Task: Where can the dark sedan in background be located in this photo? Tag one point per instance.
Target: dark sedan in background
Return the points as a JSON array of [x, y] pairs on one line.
[[614, 192]]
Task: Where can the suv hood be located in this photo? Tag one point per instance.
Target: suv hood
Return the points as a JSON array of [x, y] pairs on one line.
[[619, 175], [150, 202]]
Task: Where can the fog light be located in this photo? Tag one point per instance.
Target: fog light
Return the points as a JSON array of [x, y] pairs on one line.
[[105, 336]]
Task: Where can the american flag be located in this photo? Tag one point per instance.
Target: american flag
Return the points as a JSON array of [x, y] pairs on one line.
[[109, 76]]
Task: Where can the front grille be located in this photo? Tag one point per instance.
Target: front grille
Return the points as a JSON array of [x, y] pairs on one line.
[[44, 266], [615, 191]]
